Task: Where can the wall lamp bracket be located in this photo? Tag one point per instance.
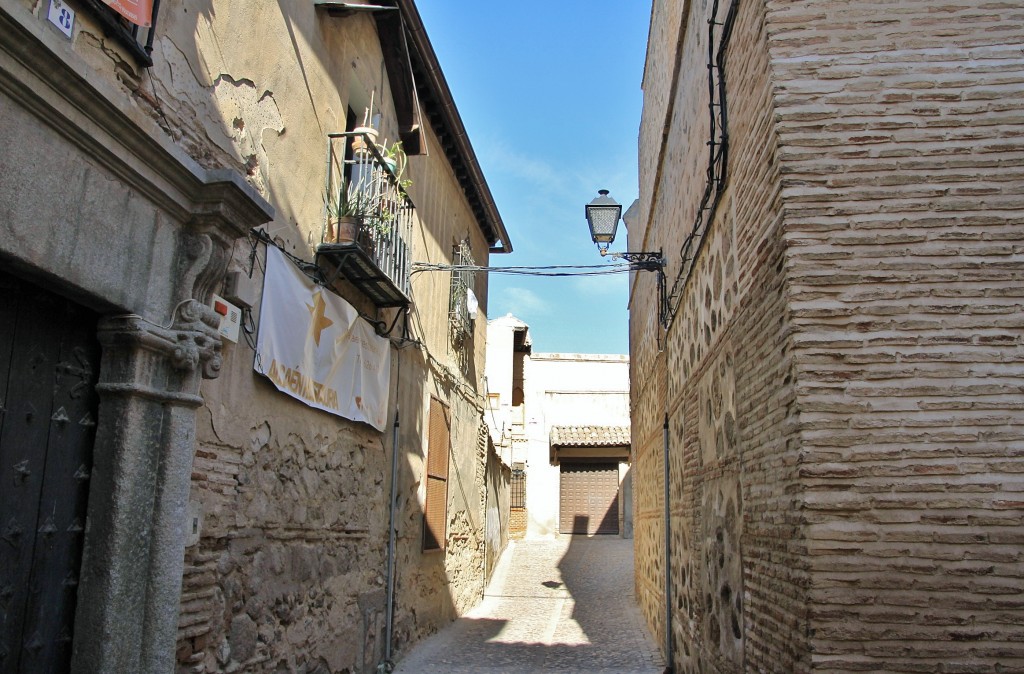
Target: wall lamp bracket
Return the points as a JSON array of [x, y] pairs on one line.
[[603, 214]]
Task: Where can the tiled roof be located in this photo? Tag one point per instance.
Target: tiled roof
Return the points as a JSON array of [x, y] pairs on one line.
[[589, 436]]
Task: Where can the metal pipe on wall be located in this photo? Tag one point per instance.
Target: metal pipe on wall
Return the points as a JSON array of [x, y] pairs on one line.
[[668, 558], [390, 606], [389, 609]]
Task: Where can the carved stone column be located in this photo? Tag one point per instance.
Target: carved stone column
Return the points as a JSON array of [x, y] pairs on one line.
[[132, 567], [130, 585]]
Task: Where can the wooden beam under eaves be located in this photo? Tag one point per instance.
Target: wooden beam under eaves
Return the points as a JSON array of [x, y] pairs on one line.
[[397, 61], [345, 8]]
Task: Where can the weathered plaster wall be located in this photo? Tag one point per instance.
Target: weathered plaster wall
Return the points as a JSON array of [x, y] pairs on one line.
[[255, 88], [504, 369], [838, 377], [497, 510], [451, 370], [285, 570]]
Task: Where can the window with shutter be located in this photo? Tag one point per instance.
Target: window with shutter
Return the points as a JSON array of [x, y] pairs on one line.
[[435, 513]]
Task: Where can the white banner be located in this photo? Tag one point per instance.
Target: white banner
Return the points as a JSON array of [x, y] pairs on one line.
[[314, 346]]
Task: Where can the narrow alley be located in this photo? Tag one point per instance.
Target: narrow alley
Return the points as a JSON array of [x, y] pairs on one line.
[[319, 353], [561, 605]]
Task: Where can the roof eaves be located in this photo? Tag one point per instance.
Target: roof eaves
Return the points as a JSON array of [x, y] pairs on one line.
[[477, 191]]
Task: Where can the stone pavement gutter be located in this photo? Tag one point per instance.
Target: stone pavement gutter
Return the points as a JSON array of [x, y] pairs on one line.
[[553, 605]]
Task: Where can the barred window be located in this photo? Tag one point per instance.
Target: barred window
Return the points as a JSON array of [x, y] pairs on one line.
[[517, 488], [462, 300]]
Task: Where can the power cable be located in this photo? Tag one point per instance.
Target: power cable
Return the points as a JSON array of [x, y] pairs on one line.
[[549, 270]]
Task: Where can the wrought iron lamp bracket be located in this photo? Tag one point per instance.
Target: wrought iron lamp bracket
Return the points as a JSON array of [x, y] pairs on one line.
[[645, 260], [649, 261]]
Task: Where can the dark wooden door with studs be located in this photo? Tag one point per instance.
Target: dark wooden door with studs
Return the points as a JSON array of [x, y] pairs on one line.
[[49, 361]]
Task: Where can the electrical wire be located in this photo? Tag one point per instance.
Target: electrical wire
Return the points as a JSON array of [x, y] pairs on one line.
[[718, 154], [550, 270]]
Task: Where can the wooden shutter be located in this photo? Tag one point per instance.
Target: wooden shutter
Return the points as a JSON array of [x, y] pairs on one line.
[[435, 513]]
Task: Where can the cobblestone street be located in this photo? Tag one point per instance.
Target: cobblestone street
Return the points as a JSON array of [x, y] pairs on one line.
[[562, 605]]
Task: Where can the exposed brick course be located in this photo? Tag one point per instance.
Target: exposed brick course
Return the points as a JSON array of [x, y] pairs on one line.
[[845, 364]]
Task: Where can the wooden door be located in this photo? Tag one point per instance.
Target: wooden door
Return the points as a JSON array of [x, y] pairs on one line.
[[49, 360]]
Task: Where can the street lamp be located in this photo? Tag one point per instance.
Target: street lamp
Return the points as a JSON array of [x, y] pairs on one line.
[[603, 214]]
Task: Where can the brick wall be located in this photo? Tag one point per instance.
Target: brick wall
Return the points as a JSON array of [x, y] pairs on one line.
[[517, 523], [724, 372], [843, 369], [904, 186]]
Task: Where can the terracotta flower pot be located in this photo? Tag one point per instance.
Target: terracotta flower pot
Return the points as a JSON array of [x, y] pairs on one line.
[[344, 229], [359, 142]]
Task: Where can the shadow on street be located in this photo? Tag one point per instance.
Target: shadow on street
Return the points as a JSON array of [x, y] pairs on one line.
[[562, 605]]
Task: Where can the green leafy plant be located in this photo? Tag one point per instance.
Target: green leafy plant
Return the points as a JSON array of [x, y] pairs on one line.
[[347, 209], [350, 202], [385, 217], [396, 159]]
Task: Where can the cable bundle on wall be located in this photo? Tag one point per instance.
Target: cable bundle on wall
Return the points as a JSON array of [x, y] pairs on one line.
[[718, 153]]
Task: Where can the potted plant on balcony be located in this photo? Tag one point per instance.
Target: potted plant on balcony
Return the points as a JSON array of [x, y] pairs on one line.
[[359, 142], [346, 213], [396, 160], [366, 132]]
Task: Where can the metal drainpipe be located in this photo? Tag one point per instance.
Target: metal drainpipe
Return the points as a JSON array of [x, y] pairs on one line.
[[487, 492], [391, 544], [388, 665], [668, 559]]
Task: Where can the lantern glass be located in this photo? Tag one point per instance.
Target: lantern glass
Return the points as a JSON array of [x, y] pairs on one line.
[[603, 214]]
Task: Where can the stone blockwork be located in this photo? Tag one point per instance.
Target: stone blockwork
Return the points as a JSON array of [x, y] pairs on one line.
[[844, 364], [269, 583]]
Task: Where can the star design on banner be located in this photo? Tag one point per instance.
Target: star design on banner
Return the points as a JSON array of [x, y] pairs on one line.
[[320, 322]]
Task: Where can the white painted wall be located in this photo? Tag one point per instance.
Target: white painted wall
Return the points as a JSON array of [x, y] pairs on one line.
[[499, 373], [566, 390], [560, 389]]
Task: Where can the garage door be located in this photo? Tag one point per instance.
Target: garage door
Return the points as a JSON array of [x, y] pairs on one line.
[[589, 498]]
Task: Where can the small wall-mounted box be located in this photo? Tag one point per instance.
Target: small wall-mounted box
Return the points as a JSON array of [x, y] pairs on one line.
[[240, 290], [230, 318], [193, 523]]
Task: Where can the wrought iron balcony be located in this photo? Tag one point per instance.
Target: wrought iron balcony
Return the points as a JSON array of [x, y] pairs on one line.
[[368, 220]]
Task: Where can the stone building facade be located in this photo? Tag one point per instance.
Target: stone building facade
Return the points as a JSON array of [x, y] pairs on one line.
[[225, 526], [840, 210], [562, 420]]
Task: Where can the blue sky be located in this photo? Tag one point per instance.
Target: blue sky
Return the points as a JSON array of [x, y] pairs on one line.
[[550, 95]]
